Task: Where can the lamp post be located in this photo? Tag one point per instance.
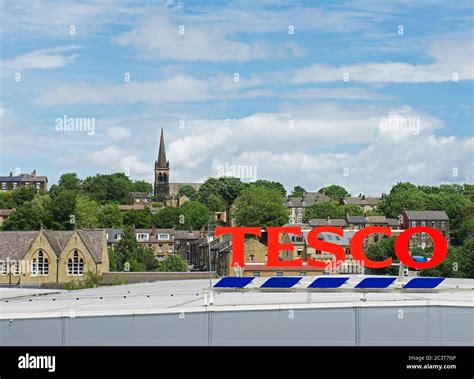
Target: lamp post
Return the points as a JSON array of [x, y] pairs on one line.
[[209, 251]]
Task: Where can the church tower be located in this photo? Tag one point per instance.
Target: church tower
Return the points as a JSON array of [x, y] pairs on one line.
[[162, 170]]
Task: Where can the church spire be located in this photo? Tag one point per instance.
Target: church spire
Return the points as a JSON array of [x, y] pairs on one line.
[[162, 153]]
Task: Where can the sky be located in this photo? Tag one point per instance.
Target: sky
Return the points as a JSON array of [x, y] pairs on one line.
[[362, 93]]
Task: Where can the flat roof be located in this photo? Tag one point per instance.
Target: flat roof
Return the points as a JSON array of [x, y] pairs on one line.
[[189, 296]]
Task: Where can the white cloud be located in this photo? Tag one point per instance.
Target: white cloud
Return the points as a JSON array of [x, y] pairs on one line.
[[179, 88], [380, 148], [36, 19], [159, 37], [182, 88], [449, 57], [117, 132], [114, 158], [42, 59]]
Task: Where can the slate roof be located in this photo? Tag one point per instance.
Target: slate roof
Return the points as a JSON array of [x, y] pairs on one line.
[[427, 215], [307, 200], [58, 239], [327, 222], [344, 240], [187, 235], [376, 220], [23, 178], [15, 244], [392, 222], [372, 201], [93, 238], [356, 219]]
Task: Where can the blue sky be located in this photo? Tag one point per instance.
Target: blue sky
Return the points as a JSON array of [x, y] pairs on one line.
[[358, 93]]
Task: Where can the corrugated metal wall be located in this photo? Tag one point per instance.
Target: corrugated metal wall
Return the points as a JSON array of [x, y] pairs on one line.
[[360, 326]]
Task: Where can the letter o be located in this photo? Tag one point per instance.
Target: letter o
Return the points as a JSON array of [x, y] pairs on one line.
[[440, 247]]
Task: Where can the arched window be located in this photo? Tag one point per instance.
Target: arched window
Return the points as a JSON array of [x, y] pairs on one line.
[[40, 265], [75, 265]]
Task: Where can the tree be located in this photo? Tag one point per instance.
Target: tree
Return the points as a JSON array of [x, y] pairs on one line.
[[408, 196], [138, 219], [374, 212], [335, 192], [260, 206], [323, 210], [215, 203], [108, 188], [22, 195], [69, 181], [129, 255], [27, 216], [141, 186], [167, 217], [270, 185], [381, 250], [188, 191], [465, 230], [352, 210], [86, 212], [227, 187], [109, 216], [196, 215], [6, 200], [394, 203], [159, 197], [60, 211], [173, 263], [298, 191], [450, 267]]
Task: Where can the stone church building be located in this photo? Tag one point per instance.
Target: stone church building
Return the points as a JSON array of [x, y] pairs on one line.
[[162, 179], [51, 256]]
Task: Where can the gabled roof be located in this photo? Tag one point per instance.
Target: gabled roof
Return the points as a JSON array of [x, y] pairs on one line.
[[93, 239], [356, 219], [427, 215], [392, 222], [58, 239], [327, 222], [308, 199], [15, 244], [376, 220]]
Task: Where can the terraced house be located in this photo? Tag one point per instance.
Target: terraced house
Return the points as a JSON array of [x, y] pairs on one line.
[[50, 256]]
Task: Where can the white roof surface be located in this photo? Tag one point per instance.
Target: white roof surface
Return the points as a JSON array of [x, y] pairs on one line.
[[189, 296]]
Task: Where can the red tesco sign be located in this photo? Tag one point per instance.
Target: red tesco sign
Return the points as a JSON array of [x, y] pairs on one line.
[[440, 245]]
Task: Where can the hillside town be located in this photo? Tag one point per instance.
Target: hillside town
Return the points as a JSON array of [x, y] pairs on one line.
[[110, 224]]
